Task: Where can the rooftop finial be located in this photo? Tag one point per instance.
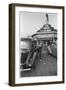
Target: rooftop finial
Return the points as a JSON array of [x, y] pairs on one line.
[[47, 18]]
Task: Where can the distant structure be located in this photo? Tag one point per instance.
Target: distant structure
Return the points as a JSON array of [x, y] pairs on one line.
[[47, 19], [46, 33]]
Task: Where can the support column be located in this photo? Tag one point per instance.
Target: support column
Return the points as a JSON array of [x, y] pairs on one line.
[[37, 42], [46, 43]]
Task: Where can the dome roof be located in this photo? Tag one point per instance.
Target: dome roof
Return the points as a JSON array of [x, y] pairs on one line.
[[47, 27]]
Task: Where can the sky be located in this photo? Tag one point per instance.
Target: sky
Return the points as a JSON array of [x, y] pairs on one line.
[[30, 22]]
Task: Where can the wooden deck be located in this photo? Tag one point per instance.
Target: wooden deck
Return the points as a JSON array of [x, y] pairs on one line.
[[47, 66]]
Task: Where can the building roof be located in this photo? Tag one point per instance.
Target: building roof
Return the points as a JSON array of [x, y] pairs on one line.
[[47, 27], [26, 39]]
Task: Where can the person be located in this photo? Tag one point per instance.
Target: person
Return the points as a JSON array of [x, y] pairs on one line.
[[49, 49], [34, 52], [40, 50], [32, 55]]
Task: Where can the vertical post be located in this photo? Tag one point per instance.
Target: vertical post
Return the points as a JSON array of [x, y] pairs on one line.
[[47, 19], [46, 43]]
